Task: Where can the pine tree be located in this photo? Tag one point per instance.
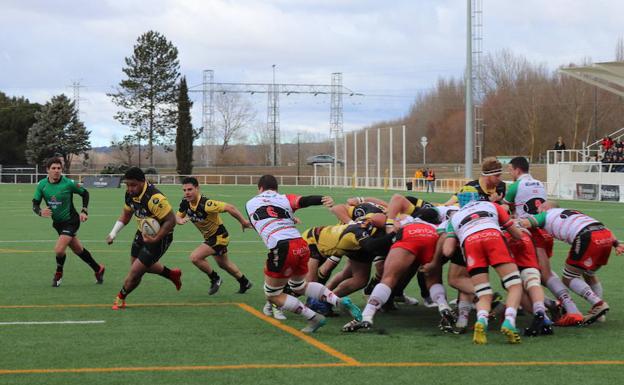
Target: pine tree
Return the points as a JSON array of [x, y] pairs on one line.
[[57, 132], [185, 133], [148, 95], [17, 115]]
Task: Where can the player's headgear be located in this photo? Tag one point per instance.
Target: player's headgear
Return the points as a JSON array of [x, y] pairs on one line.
[[491, 166], [466, 195]]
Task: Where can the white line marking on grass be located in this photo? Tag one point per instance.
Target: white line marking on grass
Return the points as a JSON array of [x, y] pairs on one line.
[[51, 323]]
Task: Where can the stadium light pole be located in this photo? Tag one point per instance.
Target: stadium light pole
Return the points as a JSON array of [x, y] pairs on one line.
[[469, 103], [274, 123]]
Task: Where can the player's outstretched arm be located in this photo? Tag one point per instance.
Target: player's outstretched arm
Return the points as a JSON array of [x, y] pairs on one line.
[[233, 211]]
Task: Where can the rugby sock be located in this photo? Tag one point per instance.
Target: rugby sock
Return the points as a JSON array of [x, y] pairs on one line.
[[165, 273], [597, 288], [215, 277], [318, 291], [378, 297], [559, 290], [60, 262], [464, 308], [438, 295], [510, 315], [482, 315], [242, 280], [88, 259], [292, 304], [123, 293], [581, 288], [538, 306]]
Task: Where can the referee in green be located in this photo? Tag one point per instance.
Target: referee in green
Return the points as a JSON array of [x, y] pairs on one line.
[[57, 190]]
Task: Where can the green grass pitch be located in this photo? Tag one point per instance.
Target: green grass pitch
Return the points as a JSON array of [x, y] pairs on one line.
[[188, 337]]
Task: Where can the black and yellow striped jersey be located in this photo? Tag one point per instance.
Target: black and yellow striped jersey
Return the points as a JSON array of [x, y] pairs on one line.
[[151, 203], [364, 209], [204, 214], [340, 240]]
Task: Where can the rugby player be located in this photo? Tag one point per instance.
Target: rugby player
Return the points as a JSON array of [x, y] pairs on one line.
[[57, 190], [414, 244], [477, 226], [144, 200], [524, 197], [490, 185], [204, 213], [272, 215], [591, 244]]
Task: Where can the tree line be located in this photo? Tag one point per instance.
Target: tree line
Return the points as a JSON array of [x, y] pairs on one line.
[[525, 107]]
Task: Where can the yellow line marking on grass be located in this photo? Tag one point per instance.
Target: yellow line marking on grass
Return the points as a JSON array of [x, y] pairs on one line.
[[131, 305], [304, 366], [16, 251], [312, 341]]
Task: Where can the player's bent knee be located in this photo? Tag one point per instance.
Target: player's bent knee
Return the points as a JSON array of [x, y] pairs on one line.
[[570, 273], [272, 291], [512, 279], [530, 277]]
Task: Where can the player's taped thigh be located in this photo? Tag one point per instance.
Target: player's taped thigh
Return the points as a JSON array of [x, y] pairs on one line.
[[297, 286], [334, 259], [531, 277], [512, 279], [571, 273], [273, 291], [482, 289]]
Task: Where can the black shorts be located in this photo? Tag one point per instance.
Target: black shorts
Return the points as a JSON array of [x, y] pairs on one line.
[[316, 254], [458, 257], [149, 253], [361, 256], [69, 227], [219, 241]]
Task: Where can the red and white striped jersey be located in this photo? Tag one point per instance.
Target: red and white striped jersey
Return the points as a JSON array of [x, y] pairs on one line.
[[272, 215], [563, 224], [477, 216]]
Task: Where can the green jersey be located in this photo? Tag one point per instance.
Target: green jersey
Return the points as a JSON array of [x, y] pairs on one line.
[[59, 197]]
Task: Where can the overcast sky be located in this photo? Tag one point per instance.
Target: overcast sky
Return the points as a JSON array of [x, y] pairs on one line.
[[388, 50]]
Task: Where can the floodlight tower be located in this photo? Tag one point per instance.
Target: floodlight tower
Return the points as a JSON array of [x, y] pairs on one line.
[[208, 137], [273, 125], [478, 89], [336, 131]]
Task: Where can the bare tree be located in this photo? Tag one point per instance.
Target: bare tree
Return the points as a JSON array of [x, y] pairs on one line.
[[233, 115]]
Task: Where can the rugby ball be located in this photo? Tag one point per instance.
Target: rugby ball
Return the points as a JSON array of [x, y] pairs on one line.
[[150, 226]]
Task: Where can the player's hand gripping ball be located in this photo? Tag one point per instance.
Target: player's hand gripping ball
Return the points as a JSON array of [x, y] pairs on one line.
[[150, 226]]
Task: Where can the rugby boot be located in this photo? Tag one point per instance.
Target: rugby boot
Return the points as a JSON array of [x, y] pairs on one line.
[[428, 302], [596, 311], [58, 278], [267, 310], [513, 337], [314, 323], [540, 326], [176, 278], [244, 287], [355, 325], [447, 321], [99, 275], [570, 319], [215, 285], [278, 314], [554, 308], [479, 336], [345, 304], [120, 303]]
